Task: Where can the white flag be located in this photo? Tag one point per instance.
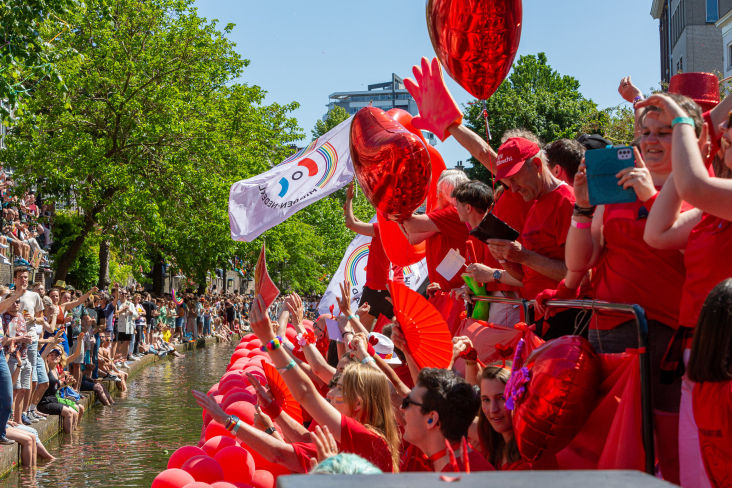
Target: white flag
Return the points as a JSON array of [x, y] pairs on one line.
[[259, 203], [353, 270]]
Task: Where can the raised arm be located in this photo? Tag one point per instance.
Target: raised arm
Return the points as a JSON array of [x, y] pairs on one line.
[[363, 228], [80, 301], [667, 227]]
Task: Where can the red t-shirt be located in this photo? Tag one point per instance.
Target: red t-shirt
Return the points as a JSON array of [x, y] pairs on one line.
[[545, 233], [713, 416], [476, 460], [631, 271], [357, 439], [708, 261], [304, 451], [414, 460], [452, 235], [403, 373], [378, 265]]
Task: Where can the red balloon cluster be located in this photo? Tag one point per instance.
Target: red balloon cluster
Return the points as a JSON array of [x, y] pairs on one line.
[[563, 386], [219, 460], [476, 41], [391, 163]]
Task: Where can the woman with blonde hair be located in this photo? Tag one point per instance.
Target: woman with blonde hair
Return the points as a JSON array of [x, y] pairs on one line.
[[358, 412]]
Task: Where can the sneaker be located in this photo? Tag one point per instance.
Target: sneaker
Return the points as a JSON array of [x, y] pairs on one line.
[[3, 246], [4, 440], [25, 420], [123, 365], [4, 260], [32, 417]]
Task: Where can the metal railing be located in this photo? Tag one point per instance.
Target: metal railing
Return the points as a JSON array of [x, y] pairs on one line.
[[644, 356]]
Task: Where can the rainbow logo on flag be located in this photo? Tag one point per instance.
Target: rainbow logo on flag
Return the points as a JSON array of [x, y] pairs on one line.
[[331, 163], [351, 268], [301, 152], [407, 270], [176, 300]]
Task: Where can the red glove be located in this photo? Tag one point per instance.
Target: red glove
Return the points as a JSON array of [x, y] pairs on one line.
[[561, 293]]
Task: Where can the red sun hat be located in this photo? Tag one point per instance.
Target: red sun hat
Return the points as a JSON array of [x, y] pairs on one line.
[[512, 154], [703, 88]]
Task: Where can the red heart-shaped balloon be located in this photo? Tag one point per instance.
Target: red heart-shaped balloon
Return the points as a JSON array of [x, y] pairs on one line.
[[475, 40], [392, 164], [504, 351], [564, 381]]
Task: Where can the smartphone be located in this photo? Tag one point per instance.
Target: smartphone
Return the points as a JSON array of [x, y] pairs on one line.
[[491, 227], [602, 166]]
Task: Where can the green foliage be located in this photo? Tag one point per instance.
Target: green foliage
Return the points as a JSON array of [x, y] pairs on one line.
[[533, 97], [332, 119], [616, 124]]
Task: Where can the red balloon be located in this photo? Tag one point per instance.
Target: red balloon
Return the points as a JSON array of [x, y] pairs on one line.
[[248, 338], [206, 419], [172, 478], [476, 42], [235, 375], [291, 335], [241, 353], [197, 484], [213, 388], [396, 246], [204, 468], [438, 166], [392, 164], [240, 364], [230, 385], [183, 454], [237, 463], [262, 479], [564, 382], [243, 410], [254, 344], [405, 118], [238, 395], [225, 484], [215, 444], [214, 429], [256, 352]]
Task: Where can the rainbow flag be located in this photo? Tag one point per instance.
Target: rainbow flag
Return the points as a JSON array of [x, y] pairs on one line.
[[176, 300]]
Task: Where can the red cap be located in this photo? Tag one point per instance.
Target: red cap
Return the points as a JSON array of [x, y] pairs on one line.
[[703, 88], [512, 154]]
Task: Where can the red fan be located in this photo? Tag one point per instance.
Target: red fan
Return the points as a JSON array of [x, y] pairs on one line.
[[282, 394], [428, 337]]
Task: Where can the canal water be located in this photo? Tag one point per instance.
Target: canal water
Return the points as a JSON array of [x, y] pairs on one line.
[[129, 443]]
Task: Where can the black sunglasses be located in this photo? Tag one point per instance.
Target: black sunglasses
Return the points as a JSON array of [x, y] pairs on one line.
[[406, 401]]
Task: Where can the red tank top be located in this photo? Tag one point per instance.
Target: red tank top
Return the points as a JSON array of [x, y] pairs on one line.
[[630, 271], [708, 260]]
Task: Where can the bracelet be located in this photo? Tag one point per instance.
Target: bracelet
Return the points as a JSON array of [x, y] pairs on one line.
[[289, 366], [683, 120], [231, 422], [368, 359], [236, 427], [270, 430], [583, 211], [637, 99], [272, 345], [352, 316], [581, 225]]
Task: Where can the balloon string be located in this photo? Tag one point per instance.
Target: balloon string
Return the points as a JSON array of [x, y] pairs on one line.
[[488, 138]]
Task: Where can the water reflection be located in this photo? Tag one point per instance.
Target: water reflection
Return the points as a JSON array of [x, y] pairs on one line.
[[129, 443]]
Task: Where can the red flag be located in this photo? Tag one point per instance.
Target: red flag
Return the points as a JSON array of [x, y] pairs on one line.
[[263, 284]]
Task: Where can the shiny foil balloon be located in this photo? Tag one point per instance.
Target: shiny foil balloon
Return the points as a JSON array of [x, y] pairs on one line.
[[475, 40], [392, 164], [396, 246], [560, 395]]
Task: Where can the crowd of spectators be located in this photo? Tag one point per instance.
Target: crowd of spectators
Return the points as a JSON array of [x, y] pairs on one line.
[[60, 342], [668, 251]]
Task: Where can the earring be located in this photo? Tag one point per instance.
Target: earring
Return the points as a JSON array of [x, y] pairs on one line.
[[429, 421]]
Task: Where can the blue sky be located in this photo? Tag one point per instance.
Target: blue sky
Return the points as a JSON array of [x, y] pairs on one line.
[[304, 51]]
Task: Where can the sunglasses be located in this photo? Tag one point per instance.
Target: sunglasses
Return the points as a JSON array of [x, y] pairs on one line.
[[406, 401]]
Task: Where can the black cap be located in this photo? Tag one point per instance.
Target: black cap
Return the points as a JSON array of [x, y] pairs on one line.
[[593, 141]]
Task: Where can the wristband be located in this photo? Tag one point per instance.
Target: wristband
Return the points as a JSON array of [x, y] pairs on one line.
[[583, 211], [352, 316], [231, 422], [272, 345], [273, 410], [581, 225], [637, 99], [270, 430], [236, 427], [683, 120], [289, 366], [367, 359]]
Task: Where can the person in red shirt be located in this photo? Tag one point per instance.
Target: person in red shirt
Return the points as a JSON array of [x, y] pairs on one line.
[[711, 370], [437, 414], [442, 229], [379, 269], [359, 415]]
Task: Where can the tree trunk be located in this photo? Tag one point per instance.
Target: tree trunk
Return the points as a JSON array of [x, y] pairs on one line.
[[104, 254], [157, 272], [67, 258], [202, 286]]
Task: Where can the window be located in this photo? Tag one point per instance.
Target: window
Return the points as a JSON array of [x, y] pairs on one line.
[[729, 56], [712, 10]]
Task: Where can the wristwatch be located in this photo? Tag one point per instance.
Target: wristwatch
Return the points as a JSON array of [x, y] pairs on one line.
[[270, 431], [497, 275]]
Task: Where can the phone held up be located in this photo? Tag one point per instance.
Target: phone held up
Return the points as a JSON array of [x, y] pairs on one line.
[[602, 166]]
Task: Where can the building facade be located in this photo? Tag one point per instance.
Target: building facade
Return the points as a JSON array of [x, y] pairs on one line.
[[386, 96], [691, 36]]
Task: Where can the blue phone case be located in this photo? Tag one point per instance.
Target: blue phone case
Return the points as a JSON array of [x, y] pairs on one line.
[[602, 166]]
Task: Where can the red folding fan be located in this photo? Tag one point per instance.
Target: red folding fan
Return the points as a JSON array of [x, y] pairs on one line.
[[426, 332], [282, 394]]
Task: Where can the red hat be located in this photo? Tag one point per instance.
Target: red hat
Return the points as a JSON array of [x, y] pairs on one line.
[[512, 154], [703, 88]]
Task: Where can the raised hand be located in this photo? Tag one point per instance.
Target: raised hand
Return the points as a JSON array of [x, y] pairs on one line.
[[581, 194], [637, 177], [294, 304], [209, 404], [437, 109], [325, 444], [344, 302], [628, 90], [259, 321]]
